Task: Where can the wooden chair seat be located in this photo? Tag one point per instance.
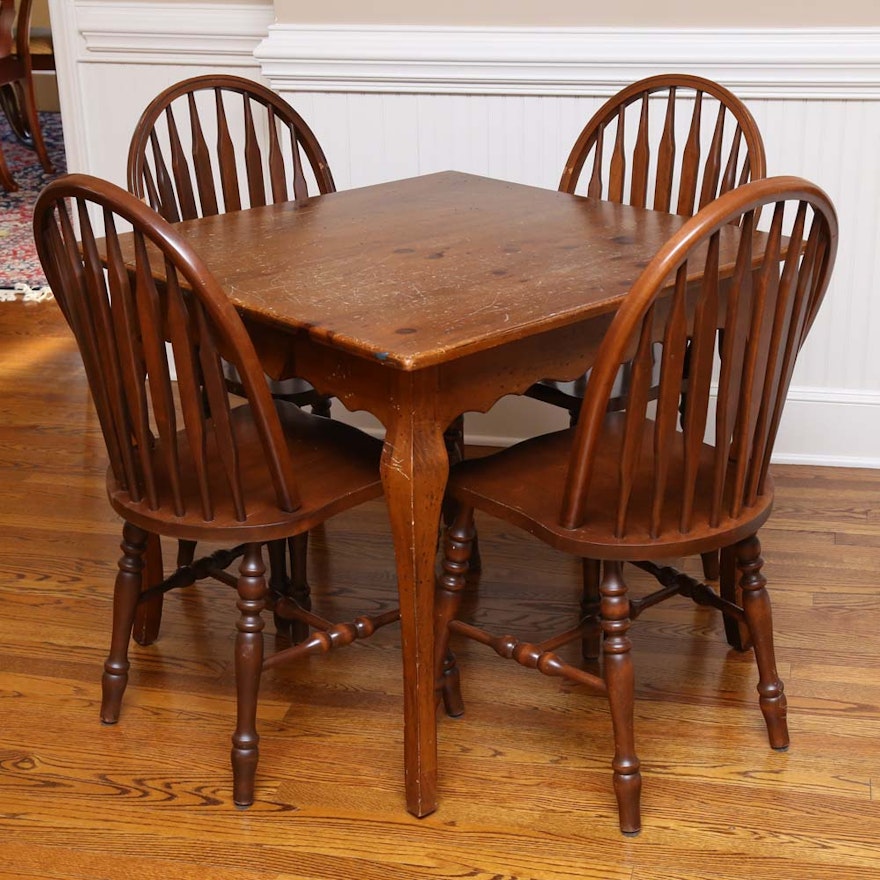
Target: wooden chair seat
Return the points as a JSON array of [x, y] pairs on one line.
[[337, 466], [532, 501]]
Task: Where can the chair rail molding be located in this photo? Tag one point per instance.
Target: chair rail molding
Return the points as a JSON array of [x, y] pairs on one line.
[[151, 32], [754, 62]]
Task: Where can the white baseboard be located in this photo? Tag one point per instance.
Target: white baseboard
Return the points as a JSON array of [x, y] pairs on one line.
[[834, 427]]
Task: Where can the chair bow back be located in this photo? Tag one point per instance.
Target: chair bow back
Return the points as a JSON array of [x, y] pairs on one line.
[[213, 144], [755, 304], [124, 300], [671, 143]]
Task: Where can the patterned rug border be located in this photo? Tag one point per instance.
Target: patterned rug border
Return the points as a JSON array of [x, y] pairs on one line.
[[25, 293]]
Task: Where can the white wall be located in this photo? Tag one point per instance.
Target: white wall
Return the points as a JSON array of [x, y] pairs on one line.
[[388, 102], [577, 13]]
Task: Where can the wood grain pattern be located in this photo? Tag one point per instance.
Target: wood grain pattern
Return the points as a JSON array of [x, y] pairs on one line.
[[81, 801]]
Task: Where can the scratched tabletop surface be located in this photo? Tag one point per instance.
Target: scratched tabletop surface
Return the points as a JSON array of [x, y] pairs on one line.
[[414, 270]]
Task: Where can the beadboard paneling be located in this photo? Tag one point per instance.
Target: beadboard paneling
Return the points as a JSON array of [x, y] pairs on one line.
[[395, 102]]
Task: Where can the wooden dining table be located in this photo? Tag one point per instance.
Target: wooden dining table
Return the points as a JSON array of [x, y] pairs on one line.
[[419, 300]]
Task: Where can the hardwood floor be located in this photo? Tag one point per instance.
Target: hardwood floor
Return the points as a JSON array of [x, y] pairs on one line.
[[525, 785]]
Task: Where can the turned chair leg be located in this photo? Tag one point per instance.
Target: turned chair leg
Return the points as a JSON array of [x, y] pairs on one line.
[[591, 643], [28, 122], [125, 598], [295, 587], [619, 678], [736, 631], [299, 583], [453, 438], [252, 592], [756, 605], [457, 552], [711, 565], [148, 613], [300, 591]]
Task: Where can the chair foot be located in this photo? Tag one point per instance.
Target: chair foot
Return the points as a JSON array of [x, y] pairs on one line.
[[112, 689], [244, 772], [628, 791], [248, 670], [620, 682], [775, 714], [756, 605], [453, 703], [129, 580]]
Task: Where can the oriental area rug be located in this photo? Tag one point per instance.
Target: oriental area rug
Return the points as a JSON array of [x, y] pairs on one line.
[[21, 276]]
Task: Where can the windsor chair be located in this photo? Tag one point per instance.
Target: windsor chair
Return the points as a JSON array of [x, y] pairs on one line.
[[263, 153], [17, 85], [689, 141], [632, 485], [184, 462]]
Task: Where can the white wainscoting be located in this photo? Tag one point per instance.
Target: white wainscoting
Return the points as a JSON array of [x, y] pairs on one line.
[[393, 102], [114, 57]]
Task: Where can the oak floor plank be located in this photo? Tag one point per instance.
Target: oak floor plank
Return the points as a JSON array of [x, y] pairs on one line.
[[525, 789]]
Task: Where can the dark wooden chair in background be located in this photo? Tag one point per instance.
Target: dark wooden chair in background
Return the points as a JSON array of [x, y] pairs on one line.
[[183, 462], [700, 142], [205, 146], [17, 85], [625, 487], [212, 144]]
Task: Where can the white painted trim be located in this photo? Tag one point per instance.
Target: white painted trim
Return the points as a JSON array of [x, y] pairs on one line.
[[66, 41], [169, 34], [836, 396], [197, 33], [754, 62], [829, 426]]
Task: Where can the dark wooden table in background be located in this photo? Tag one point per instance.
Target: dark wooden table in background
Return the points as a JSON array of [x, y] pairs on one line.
[[416, 301]]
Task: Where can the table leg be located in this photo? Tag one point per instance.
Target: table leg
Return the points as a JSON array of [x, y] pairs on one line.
[[414, 472]]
